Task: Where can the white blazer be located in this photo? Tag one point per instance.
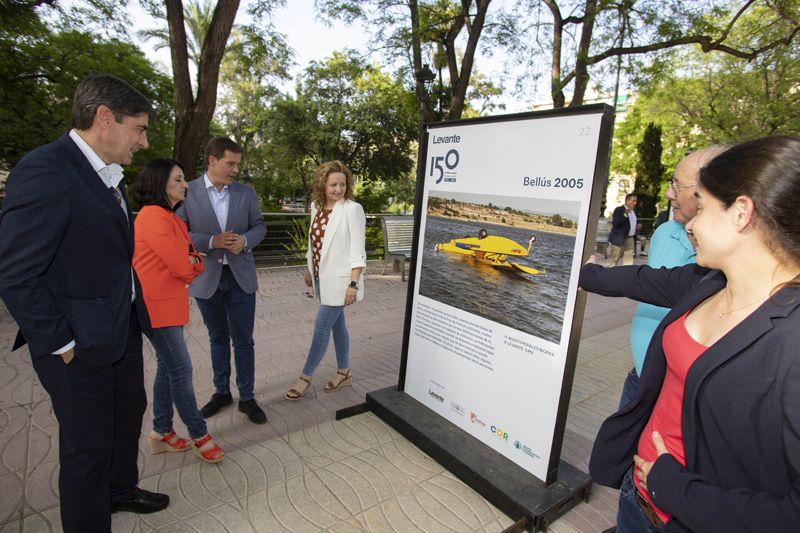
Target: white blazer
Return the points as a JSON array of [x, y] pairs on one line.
[[343, 249]]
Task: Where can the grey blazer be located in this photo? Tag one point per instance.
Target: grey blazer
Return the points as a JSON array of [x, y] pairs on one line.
[[244, 217]]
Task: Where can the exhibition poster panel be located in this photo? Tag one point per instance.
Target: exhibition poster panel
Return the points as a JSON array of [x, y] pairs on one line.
[[503, 219]]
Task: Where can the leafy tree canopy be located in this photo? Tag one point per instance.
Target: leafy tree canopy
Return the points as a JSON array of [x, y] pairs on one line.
[[40, 72], [705, 99], [344, 109]]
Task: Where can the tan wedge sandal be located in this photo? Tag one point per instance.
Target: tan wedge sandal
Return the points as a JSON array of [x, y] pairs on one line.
[[342, 379], [295, 393], [207, 450], [167, 442]]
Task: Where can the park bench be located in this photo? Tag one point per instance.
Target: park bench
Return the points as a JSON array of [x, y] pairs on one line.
[[398, 234]]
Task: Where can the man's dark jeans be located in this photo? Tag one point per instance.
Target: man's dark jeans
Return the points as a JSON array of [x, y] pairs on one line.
[[229, 315]]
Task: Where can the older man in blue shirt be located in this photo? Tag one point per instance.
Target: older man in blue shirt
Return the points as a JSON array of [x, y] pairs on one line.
[[669, 247]]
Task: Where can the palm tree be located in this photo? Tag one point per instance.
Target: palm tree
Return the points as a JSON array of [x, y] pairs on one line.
[[197, 15], [17, 16]]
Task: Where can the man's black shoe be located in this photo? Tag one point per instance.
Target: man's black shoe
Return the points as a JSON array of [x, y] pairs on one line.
[[141, 501], [217, 402], [253, 412]]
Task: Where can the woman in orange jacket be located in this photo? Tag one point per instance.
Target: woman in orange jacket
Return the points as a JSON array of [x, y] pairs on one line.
[[166, 263]]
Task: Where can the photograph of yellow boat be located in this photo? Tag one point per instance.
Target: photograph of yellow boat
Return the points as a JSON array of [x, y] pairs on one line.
[[492, 250], [506, 259]]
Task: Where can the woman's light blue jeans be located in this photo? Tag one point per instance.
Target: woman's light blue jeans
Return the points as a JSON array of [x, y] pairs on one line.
[[173, 383], [330, 318]]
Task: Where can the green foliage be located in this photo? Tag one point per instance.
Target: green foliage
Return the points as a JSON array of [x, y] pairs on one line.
[[649, 172], [372, 196], [343, 109], [559, 221], [39, 73], [374, 234], [402, 193], [704, 99], [254, 62], [298, 236], [446, 35]]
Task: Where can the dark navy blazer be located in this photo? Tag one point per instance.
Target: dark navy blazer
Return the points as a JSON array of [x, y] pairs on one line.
[[65, 256], [740, 416], [620, 227]]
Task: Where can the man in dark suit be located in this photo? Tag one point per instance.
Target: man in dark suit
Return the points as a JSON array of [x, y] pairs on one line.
[[623, 228], [66, 245], [224, 220]]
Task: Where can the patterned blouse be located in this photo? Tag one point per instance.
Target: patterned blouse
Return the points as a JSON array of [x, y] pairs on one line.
[[317, 233]]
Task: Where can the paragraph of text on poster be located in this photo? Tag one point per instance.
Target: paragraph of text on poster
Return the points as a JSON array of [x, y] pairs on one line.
[[455, 334]]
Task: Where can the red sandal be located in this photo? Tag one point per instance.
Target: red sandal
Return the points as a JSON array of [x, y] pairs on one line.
[[169, 442], [212, 453]]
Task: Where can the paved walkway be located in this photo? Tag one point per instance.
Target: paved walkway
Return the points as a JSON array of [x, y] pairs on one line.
[[303, 471]]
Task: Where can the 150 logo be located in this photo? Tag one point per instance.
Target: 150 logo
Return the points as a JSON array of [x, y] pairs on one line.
[[440, 162]]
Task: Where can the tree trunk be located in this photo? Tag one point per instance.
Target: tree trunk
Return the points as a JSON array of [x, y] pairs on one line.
[[460, 81], [582, 58], [423, 97], [193, 114], [556, 88]]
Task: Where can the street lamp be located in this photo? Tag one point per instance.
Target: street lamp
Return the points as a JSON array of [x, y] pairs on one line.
[[440, 95], [426, 76]]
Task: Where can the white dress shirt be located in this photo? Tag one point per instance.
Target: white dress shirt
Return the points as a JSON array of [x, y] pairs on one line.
[[632, 219]]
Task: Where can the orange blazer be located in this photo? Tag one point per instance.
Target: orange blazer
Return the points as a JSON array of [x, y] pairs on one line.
[[162, 249]]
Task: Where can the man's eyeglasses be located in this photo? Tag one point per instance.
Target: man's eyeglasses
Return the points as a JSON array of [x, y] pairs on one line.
[[678, 188]]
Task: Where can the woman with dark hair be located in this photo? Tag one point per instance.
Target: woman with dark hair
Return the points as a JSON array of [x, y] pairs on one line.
[[166, 263], [712, 441], [336, 261]]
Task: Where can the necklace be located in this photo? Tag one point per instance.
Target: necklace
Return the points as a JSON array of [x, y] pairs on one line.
[[723, 314]]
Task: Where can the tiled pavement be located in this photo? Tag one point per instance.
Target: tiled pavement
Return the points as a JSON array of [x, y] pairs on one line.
[[303, 471]]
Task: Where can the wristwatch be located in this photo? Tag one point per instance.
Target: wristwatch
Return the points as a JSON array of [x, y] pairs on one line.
[[353, 285]]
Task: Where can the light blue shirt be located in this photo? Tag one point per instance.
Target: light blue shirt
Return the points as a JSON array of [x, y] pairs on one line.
[[669, 247], [219, 203]]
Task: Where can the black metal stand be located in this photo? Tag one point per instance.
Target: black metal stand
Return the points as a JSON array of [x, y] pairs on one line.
[[513, 490]]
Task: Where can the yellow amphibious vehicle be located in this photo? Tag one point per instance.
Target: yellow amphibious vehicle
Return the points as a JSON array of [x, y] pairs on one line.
[[491, 250]]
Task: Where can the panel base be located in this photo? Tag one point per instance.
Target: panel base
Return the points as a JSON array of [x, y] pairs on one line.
[[512, 489]]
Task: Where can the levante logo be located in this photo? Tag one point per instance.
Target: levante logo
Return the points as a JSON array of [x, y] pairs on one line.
[[435, 396]]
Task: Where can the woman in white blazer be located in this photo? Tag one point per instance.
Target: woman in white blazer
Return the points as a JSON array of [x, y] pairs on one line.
[[336, 260]]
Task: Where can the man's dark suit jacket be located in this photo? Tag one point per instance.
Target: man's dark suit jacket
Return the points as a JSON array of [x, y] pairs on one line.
[[620, 227], [740, 416], [65, 256]]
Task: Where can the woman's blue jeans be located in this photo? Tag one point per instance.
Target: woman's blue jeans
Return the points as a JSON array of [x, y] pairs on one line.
[[173, 383], [330, 318], [630, 518]]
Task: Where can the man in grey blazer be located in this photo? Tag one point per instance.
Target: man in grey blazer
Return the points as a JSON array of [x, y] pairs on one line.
[[225, 222]]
